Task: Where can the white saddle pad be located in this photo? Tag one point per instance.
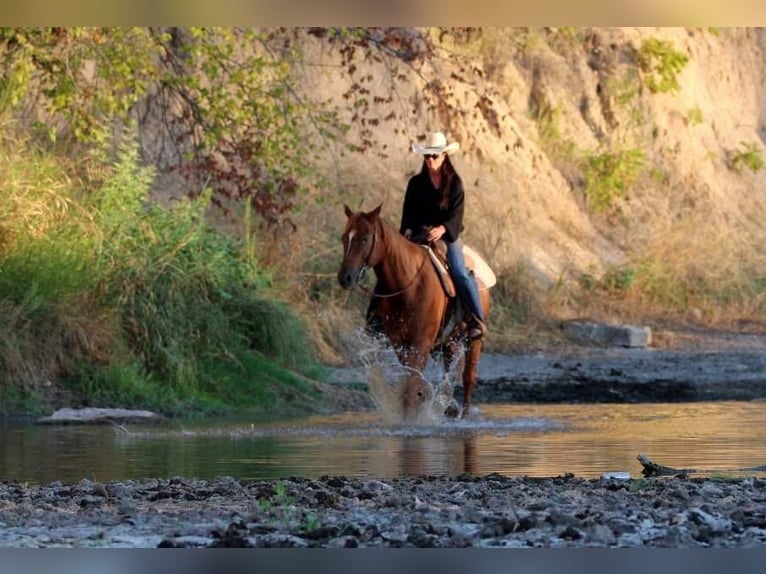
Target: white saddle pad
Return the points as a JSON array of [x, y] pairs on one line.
[[480, 267]]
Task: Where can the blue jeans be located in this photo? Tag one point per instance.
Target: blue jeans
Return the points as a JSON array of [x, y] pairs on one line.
[[465, 283]]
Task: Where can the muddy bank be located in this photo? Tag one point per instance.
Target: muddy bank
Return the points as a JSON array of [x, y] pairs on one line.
[[623, 375], [465, 511], [681, 366]]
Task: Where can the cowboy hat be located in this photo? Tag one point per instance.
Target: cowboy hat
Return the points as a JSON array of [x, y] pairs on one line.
[[435, 142]]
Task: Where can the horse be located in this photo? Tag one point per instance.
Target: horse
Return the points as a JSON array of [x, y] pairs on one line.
[[418, 317]]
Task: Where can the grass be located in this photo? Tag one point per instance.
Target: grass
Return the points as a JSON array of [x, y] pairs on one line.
[[660, 64], [679, 276], [747, 156], [609, 174], [110, 300]]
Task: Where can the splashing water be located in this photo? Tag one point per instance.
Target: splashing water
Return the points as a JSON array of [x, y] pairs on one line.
[[386, 378]]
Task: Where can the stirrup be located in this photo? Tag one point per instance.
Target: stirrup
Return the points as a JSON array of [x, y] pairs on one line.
[[476, 328]]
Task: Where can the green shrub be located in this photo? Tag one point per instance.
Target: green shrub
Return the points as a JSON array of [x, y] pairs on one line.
[[189, 297], [618, 279], [117, 301], [609, 174], [694, 116], [660, 64], [749, 156]]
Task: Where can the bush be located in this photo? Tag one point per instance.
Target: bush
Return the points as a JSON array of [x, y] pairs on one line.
[[660, 64], [748, 156], [608, 175], [119, 302]]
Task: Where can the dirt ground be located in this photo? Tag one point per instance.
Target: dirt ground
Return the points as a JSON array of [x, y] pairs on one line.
[[461, 511], [679, 366]]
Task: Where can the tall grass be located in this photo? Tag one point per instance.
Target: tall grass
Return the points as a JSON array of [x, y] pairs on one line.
[[680, 276], [112, 300]]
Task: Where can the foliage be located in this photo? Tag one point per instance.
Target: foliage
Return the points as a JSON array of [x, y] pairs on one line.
[[609, 174], [548, 126], [223, 98], [694, 116], [50, 320], [615, 280], [749, 156], [87, 77], [660, 64], [281, 509], [124, 302], [393, 45], [189, 299]]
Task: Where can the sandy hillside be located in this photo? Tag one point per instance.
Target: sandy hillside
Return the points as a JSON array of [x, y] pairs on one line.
[[529, 107]]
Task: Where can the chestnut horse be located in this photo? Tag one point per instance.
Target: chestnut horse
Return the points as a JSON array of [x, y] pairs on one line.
[[417, 314]]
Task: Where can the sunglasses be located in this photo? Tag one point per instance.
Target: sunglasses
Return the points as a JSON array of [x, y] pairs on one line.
[[431, 155]]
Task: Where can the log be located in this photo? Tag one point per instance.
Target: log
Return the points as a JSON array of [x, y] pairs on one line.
[[651, 468]]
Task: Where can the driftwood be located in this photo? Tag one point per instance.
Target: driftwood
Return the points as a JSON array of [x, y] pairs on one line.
[[651, 468]]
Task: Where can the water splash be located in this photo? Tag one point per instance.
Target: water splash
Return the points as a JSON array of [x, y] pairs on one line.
[[386, 379]]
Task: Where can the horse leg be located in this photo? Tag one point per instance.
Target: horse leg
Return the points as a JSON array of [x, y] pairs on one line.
[[449, 353], [472, 355], [416, 389]]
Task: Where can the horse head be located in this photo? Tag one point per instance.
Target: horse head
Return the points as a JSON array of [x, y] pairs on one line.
[[360, 240]]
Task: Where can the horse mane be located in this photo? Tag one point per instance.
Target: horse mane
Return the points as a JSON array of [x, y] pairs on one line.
[[392, 236]]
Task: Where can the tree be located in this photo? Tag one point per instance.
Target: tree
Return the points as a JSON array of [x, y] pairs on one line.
[[215, 105]]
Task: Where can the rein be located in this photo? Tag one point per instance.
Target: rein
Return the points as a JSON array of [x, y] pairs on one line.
[[400, 291]]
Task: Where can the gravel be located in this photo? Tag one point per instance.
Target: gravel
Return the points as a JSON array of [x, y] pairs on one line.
[[335, 512]]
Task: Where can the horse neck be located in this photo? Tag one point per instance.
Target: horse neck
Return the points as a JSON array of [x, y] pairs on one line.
[[400, 261]]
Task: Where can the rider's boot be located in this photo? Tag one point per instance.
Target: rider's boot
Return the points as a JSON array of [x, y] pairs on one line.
[[476, 327]]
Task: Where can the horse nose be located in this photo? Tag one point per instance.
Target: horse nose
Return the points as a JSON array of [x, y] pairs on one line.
[[345, 278]]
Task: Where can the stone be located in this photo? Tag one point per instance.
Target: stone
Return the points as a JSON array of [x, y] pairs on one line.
[[608, 335], [99, 416]]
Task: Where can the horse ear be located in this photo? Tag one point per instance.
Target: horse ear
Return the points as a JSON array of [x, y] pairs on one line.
[[347, 209], [376, 212]]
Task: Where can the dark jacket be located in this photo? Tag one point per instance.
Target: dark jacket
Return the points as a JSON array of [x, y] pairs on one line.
[[421, 207]]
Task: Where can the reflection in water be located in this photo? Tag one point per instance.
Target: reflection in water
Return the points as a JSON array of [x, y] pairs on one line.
[[512, 439]]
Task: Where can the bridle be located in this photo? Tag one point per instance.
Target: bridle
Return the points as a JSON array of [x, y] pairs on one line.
[[366, 265]]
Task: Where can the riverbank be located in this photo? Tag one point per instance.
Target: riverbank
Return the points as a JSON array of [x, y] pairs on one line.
[[336, 512], [680, 366]]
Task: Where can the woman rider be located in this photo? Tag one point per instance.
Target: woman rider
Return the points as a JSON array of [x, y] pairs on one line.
[[433, 209]]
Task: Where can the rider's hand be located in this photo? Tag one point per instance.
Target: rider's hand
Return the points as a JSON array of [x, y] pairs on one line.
[[435, 233]]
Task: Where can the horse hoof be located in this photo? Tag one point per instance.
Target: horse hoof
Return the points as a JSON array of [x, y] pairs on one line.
[[452, 411]]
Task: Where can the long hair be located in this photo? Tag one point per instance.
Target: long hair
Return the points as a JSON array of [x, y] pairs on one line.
[[448, 175]]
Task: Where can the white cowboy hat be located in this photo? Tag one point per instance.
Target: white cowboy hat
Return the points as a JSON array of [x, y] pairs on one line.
[[435, 142]]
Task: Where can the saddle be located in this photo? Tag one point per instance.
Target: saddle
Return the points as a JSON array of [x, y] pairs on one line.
[[437, 251]]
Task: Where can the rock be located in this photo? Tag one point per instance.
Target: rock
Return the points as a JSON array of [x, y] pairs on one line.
[[493, 513], [343, 542], [715, 524], [99, 416], [608, 335], [616, 476]]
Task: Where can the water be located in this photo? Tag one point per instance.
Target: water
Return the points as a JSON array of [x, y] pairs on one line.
[[510, 439]]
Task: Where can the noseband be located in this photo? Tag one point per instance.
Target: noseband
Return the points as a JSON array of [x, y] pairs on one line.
[[366, 261], [400, 291]]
